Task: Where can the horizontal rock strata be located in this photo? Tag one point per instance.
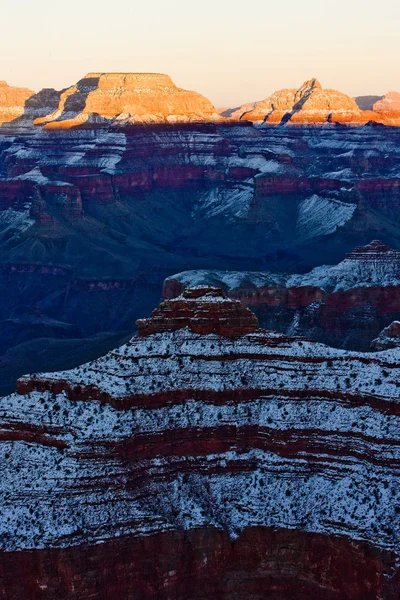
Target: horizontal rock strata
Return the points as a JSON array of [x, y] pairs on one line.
[[256, 444], [346, 304]]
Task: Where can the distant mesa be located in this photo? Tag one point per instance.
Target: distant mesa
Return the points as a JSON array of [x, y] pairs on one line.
[[127, 98], [388, 104], [367, 102]]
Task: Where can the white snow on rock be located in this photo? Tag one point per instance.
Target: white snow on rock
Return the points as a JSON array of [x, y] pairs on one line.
[[13, 219], [318, 216], [355, 271], [231, 203], [87, 492]]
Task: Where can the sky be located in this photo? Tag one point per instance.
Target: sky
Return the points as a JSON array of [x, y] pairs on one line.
[[231, 51]]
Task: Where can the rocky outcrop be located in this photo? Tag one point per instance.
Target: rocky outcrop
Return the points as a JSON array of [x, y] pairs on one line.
[[388, 338], [127, 98], [313, 105], [12, 102], [203, 310], [345, 305], [247, 463], [310, 104], [389, 106]]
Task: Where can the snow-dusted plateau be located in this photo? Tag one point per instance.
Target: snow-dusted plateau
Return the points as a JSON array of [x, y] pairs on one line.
[[204, 425]]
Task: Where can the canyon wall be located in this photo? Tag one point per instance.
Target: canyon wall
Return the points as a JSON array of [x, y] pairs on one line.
[[188, 196], [345, 305], [195, 465]]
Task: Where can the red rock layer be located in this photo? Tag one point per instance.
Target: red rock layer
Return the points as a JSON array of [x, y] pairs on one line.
[[329, 306], [185, 465], [194, 310], [203, 564]]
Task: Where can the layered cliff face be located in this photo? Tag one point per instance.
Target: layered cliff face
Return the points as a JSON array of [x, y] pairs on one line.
[[255, 464], [313, 105], [12, 102], [189, 196], [258, 462], [346, 305], [103, 99], [129, 98], [203, 310]]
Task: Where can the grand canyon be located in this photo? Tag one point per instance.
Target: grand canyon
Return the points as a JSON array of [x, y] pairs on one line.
[[200, 343]]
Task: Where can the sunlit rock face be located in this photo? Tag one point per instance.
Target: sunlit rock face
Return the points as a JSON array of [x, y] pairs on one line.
[[313, 105], [247, 463], [389, 107], [12, 101], [127, 98]]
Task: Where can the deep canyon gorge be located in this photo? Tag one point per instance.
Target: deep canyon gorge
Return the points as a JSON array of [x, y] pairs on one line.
[[243, 441]]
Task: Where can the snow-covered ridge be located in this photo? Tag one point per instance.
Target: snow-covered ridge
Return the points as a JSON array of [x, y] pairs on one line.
[[182, 360], [365, 267], [261, 429], [335, 499]]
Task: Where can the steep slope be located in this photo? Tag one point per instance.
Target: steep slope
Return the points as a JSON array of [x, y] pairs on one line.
[[101, 98], [224, 466], [345, 305]]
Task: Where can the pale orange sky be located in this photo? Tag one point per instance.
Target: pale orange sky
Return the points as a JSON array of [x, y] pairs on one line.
[[230, 51]]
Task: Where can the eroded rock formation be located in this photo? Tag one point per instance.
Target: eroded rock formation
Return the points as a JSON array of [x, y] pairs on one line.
[[389, 107], [225, 196], [388, 338], [127, 98], [189, 465], [310, 104], [345, 305], [203, 310], [313, 105]]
